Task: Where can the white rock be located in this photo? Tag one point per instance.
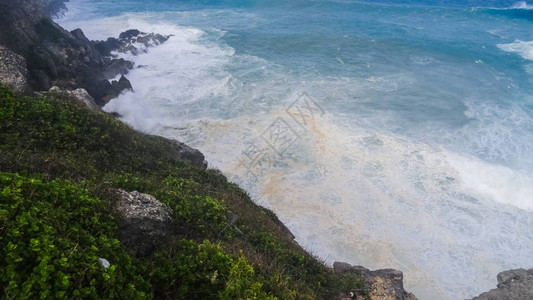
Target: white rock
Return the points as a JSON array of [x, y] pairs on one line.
[[104, 263]]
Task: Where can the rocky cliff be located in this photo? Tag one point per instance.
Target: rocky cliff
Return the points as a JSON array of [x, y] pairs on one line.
[[53, 56]]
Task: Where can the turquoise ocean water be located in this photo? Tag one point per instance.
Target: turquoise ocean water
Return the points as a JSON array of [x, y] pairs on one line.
[[383, 133]]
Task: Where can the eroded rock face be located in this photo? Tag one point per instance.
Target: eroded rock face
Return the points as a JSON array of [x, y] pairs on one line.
[[145, 224], [13, 71], [385, 284], [512, 285]]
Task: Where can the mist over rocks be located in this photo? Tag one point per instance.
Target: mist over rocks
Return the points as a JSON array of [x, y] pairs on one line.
[[52, 56]]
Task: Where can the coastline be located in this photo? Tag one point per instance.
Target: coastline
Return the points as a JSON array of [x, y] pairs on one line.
[[102, 97], [92, 59]]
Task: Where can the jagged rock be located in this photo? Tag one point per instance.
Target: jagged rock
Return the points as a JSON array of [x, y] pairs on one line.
[[129, 34], [13, 71], [152, 39], [79, 35], [144, 222], [385, 284], [512, 285], [118, 67], [135, 42], [122, 84], [117, 87], [194, 156], [56, 57], [105, 47]]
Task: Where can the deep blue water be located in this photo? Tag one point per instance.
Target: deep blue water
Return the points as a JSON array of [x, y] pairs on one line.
[[423, 158]]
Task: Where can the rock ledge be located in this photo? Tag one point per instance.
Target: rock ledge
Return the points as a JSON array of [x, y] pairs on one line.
[[385, 284]]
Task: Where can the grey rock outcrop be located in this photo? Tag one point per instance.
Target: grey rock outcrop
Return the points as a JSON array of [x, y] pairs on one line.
[[145, 224], [194, 156], [385, 284], [13, 72], [80, 95], [512, 285]]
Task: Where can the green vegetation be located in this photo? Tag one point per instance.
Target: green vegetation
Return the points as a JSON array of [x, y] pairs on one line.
[[59, 166]]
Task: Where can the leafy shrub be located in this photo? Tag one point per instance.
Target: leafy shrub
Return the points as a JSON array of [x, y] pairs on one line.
[[200, 271], [51, 237]]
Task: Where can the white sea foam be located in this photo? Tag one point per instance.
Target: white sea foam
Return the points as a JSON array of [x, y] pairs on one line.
[[521, 5], [169, 80], [524, 49], [172, 79], [494, 182], [383, 201]]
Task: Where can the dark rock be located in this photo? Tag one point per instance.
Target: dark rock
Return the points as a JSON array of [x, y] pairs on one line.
[[135, 42], [145, 224], [69, 60], [129, 34], [512, 285], [122, 84], [232, 218], [13, 72], [152, 39], [97, 87], [385, 284], [184, 152], [79, 35], [118, 67], [105, 47], [41, 80]]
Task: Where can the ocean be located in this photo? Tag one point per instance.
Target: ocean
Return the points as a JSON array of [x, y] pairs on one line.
[[388, 134]]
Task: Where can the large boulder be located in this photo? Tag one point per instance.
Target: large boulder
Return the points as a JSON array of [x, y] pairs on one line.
[[512, 285], [13, 72], [145, 224], [385, 284]]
